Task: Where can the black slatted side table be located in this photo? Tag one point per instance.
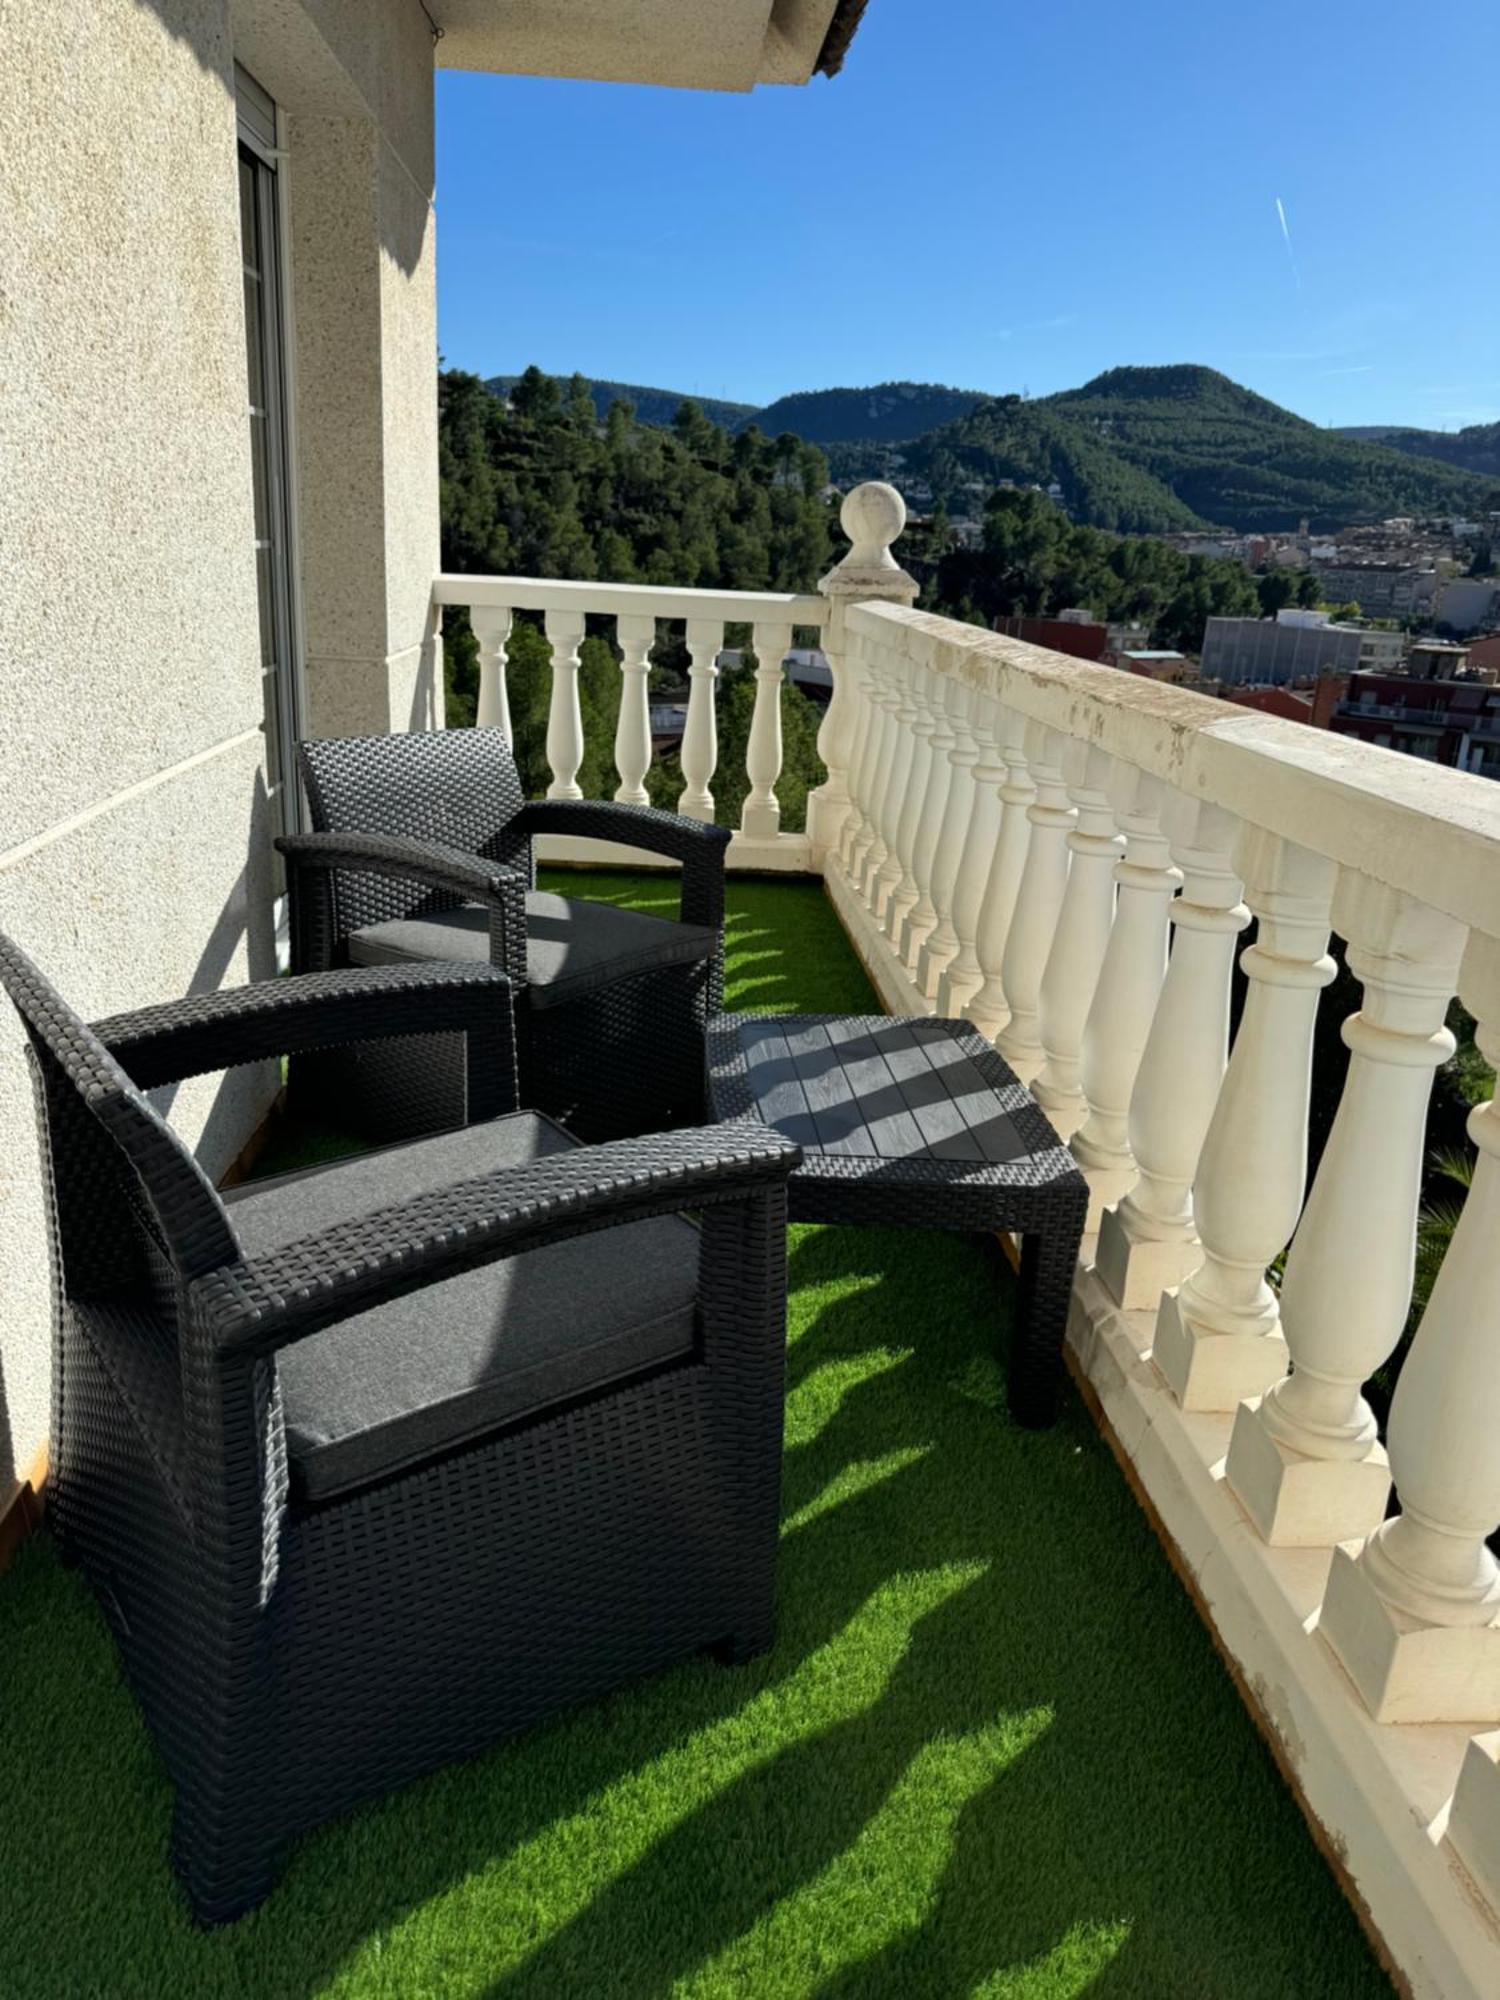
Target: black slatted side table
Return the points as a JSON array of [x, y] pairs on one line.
[[917, 1123]]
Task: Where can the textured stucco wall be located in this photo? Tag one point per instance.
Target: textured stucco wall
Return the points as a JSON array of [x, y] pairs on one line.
[[134, 859]]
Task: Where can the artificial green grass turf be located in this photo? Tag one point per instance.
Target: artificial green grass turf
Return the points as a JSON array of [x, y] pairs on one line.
[[992, 1754]]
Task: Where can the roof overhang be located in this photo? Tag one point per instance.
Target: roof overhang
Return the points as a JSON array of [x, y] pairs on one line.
[[687, 44]]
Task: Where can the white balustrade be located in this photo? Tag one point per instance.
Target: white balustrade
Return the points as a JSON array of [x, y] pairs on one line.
[[1415, 1618], [885, 693], [963, 976], [989, 1010], [934, 730], [1125, 998], [564, 716], [491, 625], [700, 736], [1149, 1242], [1218, 1335], [1080, 940], [912, 719], [872, 516], [1033, 923], [854, 833], [760, 818], [1307, 1463], [942, 943], [633, 724]]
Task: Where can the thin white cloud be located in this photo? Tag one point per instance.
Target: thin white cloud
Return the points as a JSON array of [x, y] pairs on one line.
[[1287, 239]]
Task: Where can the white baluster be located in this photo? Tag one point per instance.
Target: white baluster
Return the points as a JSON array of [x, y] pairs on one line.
[[1414, 1619], [941, 945], [437, 679], [922, 915], [760, 818], [1218, 1335], [1306, 1463], [633, 724], [1038, 901], [564, 717], [1080, 941], [913, 723], [963, 976], [988, 1009], [872, 515], [885, 694], [1149, 1241], [1474, 1817], [491, 625], [853, 833], [1130, 982], [700, 736]]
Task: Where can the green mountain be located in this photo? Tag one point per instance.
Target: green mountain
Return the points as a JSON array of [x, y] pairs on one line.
[[888, 413], [1474, 449], [1237, 460], [652, 406]]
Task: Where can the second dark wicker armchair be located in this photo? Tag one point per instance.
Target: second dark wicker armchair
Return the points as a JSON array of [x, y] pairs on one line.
[[372, 1463], [422, 851]]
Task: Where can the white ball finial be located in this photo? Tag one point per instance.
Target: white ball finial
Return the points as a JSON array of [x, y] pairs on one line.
[[872, 516]]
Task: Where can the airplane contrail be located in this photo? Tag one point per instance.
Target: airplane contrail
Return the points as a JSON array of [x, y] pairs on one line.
[[1287, 239]]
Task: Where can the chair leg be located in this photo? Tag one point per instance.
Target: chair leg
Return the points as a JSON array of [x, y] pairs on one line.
[[745, 1644], [227, 1865]]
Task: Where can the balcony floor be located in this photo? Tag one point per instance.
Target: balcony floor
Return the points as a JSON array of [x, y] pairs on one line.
[[993, 1753]]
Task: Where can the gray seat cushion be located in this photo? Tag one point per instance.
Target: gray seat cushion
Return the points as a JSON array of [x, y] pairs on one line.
[[441, 1367], [572, 947]]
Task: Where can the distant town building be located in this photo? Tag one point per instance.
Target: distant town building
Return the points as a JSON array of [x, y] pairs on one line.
[[1466, 603], [1454, 721], [1156, 665], [1380, 589], [1295, 645], [1080, 636]]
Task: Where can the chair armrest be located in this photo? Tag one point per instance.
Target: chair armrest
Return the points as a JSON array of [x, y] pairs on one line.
[[257, 1306], [699, 847], [428, 862], [279, 1017]]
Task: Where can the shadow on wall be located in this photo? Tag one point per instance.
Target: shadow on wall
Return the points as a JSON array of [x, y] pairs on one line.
[[309, 80]]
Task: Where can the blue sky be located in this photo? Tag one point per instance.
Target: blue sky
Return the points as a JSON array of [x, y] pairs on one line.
[[1007, 197]]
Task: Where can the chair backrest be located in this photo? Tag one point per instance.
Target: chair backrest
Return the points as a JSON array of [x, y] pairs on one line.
[[133, 1210], [457, 786]]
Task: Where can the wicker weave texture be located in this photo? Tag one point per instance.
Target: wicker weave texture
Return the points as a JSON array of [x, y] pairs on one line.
[[293, 1660]]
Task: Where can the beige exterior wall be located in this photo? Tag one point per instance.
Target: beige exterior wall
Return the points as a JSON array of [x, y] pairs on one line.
[[134, 834]]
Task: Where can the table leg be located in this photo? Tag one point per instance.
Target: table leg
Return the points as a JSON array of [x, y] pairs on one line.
[[1049, 1259]]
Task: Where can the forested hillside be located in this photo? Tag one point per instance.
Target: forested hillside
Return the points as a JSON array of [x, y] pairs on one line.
[[1475, 449], [886, 414], [652, 406], [1239, 461]]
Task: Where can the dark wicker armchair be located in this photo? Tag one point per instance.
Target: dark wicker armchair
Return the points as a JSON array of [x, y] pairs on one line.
[[423, 851], [371, 1464]]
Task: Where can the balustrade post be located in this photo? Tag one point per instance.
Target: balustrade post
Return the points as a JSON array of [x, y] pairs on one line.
[[1306, 1463], [912, 720], [943, 943], [1038, 901], [1149, 1242], [872, 516], [920, 917], [1081, 938], [565, 631], [491, 625], [1130, 983], [1218, 1335], [884, 741], [700, 735], [963, 976], [989, 1009], [760, 818], [854, 834], [633, 724]]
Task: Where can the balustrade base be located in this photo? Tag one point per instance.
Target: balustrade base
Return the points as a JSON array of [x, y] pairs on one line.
[[1405, 1670], [1298, 1502], [1109, 1175], [1209, 1370], [1474, 1817], [1135, 1270]]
